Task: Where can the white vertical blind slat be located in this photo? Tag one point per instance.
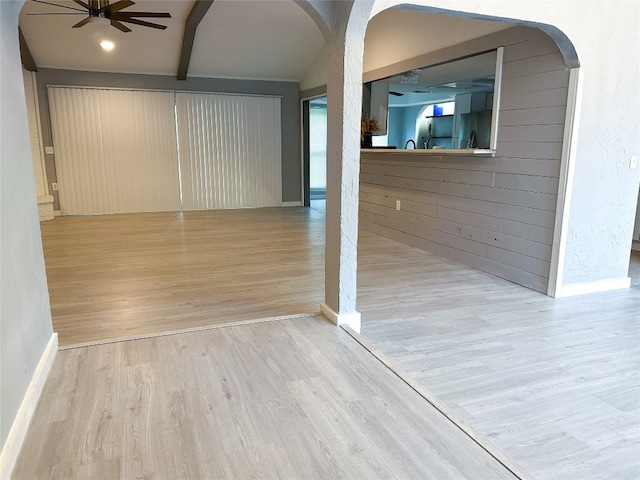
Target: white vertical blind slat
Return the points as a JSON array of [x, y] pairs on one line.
[[230, 151], [318, 147], [116, 150]]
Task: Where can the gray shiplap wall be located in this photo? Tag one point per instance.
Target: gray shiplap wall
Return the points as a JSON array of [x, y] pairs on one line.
[[494, 214]]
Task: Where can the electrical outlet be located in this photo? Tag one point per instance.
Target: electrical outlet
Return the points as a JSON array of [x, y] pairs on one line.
[[48, 150], [398, 205], [54, 186], [633, 163]]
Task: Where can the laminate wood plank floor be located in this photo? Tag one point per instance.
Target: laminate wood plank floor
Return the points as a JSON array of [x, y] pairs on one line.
[[124, 276], [280, 399], [554, 383]]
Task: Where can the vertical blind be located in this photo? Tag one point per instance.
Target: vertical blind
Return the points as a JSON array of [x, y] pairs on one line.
[[318, 146], [230, 151], [115, 150], [35, 135], [123, 151]]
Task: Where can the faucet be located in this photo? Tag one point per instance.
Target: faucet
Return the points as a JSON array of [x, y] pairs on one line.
[[408, 142]]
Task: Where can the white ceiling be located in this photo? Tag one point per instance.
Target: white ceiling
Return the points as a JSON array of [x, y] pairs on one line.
[[261, 39], [399, 34], [273, 39]]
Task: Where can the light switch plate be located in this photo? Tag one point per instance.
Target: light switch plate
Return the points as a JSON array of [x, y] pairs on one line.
[[48, 150], [633, 163]]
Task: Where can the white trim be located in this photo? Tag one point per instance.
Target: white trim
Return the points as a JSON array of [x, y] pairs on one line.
[[352, 320], [18, 432], [497, 93], [565, 187], [292, 204], [593, 287], [302, 170]]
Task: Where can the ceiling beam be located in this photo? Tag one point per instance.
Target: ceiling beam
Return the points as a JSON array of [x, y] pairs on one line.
[[25, 54], [198, 11]]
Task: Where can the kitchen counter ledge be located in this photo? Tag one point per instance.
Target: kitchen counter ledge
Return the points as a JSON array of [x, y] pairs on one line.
[[442, 152]]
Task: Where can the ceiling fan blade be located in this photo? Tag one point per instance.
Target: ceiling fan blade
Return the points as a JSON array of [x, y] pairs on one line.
[[82, 4], [120, 26], [115, 7], [81, 23], [56, 5], [58, 13], [142, 14], [143, 23]]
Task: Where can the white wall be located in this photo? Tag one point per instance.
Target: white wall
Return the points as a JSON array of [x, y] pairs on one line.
[[25, 317]]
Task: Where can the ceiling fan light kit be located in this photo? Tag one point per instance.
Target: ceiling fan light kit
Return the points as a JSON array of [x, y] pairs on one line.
[[103, 12], [107, 45]]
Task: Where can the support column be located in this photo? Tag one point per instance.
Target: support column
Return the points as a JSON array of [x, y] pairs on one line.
[[344, 100]]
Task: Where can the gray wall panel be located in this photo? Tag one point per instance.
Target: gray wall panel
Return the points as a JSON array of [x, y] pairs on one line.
[[480, 262], [495, 214], [533, 116]]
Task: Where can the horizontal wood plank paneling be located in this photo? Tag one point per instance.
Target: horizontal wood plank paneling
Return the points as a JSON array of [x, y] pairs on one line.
[[532, 65], [532, 116], [442, 238], [530, 183], [480, 262], [542, 45], [532, 133], [540, 150], [538, 82], [544, 98], [495, 214]]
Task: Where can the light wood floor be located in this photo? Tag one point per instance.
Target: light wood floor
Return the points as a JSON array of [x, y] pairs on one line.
[[281, 399], [554, 383], [124, 276]]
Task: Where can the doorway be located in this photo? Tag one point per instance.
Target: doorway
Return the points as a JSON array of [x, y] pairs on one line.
[[318, 153]]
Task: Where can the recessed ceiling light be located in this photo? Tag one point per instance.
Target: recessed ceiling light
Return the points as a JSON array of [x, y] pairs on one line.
[[107, 45]]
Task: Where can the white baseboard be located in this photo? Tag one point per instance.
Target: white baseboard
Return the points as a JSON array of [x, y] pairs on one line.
[[593, 287], [291, 204], [353, 319], [18, 432]]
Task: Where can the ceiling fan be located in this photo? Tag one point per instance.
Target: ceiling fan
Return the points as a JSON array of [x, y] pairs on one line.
[[101, 11]]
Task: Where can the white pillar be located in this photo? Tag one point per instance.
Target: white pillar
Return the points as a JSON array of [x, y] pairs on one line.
[[344, 106]]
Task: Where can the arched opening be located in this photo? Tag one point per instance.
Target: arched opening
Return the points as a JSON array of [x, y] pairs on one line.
[[456, 205]]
